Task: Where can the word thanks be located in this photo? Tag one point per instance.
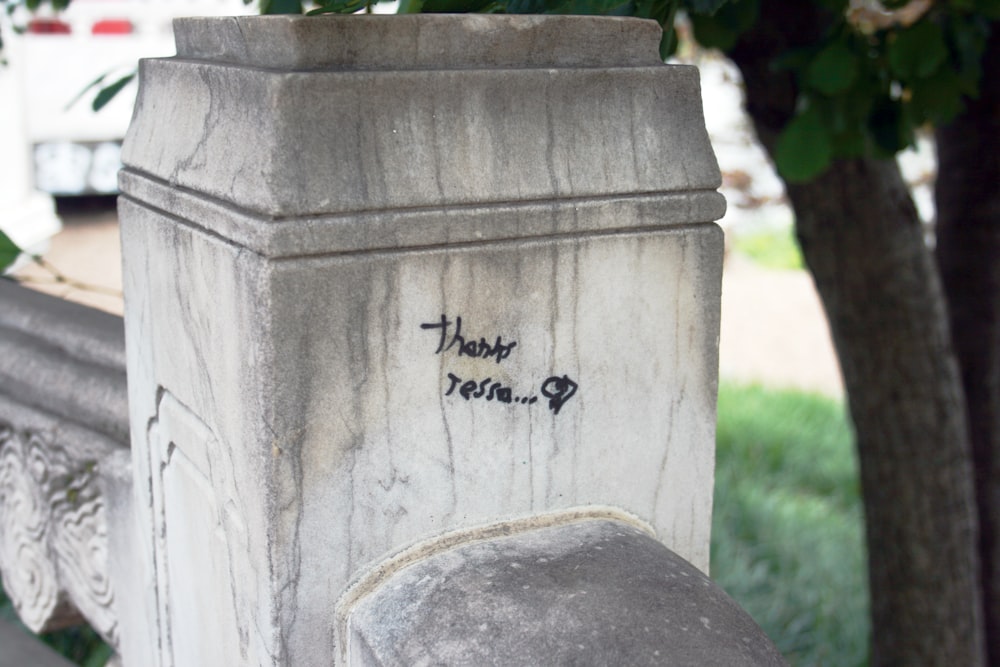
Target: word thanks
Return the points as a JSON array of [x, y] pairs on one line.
[[471, 347]]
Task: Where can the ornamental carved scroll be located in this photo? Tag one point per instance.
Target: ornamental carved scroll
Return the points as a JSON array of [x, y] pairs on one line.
[[53, 535]]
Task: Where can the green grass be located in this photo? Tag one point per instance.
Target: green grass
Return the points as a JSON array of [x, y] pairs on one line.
[[80, 643], [787, 536], [773, 248]]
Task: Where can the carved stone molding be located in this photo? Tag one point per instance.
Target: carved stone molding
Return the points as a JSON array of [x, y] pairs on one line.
[[63, 412], [200, 540], [53, 533]]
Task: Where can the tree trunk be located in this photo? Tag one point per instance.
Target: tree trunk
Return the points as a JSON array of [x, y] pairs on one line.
[[862, 240], [968, 252]]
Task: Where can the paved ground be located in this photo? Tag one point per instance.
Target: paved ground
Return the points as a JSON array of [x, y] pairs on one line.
[[773, 330], [87, 250]]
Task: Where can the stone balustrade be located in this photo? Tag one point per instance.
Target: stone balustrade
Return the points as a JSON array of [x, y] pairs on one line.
[[422, 325], [63, 421]]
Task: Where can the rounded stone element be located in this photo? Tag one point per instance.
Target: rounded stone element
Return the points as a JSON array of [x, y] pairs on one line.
[[596, 592]]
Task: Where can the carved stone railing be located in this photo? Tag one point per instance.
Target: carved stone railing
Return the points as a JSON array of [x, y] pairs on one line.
[[63, 419]]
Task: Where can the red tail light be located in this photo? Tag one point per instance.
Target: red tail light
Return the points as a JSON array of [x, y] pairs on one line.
[[112, 27], [48, 27]]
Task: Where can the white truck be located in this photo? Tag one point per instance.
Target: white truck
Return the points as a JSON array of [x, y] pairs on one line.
[[52, 143], [75, 150]]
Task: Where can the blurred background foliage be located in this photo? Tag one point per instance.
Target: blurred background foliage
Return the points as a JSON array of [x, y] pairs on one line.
[[80, 643], [787, 533]]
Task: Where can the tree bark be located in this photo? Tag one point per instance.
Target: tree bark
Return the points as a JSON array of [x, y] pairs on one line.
[[968, 252], [862, 240]]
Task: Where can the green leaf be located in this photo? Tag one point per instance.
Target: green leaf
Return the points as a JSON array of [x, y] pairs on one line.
[[966, 37], [848, 114], [460, 6], [280, 7], [712, 34], [721, 30], [850, 143], [889, 128], [90, 86], [838, 7], [661, 11], [936, 99], [591, 7], [834, 70], [707, 7], [668, 43], [804, 149], [513, 6], [99, 656], [989, 8], [9, 251], [739, 15], [586, 7], [917, 51], [337, 7], [108, 93], [793, 59]]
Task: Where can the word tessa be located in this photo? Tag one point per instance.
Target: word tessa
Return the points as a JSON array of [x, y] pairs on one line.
[[557, 389]]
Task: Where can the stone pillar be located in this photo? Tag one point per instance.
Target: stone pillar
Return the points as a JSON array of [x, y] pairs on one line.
[[399, 283]]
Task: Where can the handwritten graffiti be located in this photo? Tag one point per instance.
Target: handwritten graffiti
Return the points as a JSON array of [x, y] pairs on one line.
[[557, 389], [486, 389], [498, 350]]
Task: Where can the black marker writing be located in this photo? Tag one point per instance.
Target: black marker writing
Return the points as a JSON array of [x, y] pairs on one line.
[[558, 390], [471, 347], [487, 389]]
